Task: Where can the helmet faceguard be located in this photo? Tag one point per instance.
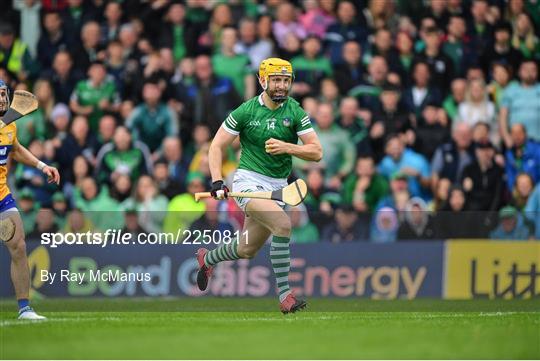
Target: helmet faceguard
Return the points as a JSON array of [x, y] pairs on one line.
[[275, 66], [4, 97]]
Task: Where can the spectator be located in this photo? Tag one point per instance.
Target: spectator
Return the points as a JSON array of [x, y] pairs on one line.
[[320, 199], [132, 224], [95, 96], [286, 23], [52, 40], [458, 89], [350, 121], [532, 210], [63, 76], [15, 56], [88, 50], [405, 48], [318, 16], [44, 224], [121, 189], [176, 33], [365, 188], [346, 227], [417, 96], [383, 46], [370, 88], [457, 46], [310, 68], [482, 180], [177, 163], [150, 205], [384, 226], [96, 203], [122, 156], [524, 156], [32, 126], [204, 103], [153, 120], [77, 223], [80, 141], [182, 210], [476, 107], [431, 131], [440, 195], [454, 212], [228, 64], [110, 27], [521, 104], [329, 93], [511, 226], [406, 161], [74, 17], [33, 179], [303, 231], [340, 153], [440, 65], [28, 207], [346, 29], [502, 77], [501, 51], [478, 28], [249, 44], [417, 223], [524, 39], [522, 191], [167, 185], [389, 118], [212, 219], [107, 126], [451, 158], [30, 28], [349, 73], [60, 209]]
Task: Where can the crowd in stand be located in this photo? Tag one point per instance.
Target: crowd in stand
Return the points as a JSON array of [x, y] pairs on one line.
[[428, 112]]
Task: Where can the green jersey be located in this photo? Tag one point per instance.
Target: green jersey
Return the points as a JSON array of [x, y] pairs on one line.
[[255, 124]]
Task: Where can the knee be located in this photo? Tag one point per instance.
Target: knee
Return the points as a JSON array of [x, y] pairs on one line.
[[17, 248], [283, 228]]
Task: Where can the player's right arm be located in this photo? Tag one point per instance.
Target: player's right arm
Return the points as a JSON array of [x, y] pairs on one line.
[[218, 147]]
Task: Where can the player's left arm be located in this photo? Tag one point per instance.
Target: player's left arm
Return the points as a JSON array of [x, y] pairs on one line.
[[23, 155], [309, 150]]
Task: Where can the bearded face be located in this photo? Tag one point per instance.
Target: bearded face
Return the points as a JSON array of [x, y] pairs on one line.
[[4, 100], [278, 88]]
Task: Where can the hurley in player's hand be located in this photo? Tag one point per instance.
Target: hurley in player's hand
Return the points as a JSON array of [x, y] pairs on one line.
[[275, 146]]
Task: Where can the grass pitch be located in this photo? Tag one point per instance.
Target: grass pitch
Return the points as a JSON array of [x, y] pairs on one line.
[[222, 328]]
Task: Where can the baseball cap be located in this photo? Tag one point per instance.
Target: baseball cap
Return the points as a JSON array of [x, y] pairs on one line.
[[192, 176], [26, 193], [398, 175], [507, 212], [58, 197]]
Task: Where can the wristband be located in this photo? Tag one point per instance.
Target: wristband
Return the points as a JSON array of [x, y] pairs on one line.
[[41, 165]]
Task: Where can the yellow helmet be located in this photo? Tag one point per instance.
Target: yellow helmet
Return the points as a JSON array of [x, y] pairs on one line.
[[274, 66]]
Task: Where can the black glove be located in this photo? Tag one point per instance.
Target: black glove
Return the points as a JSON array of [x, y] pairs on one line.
[[219, 190]]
